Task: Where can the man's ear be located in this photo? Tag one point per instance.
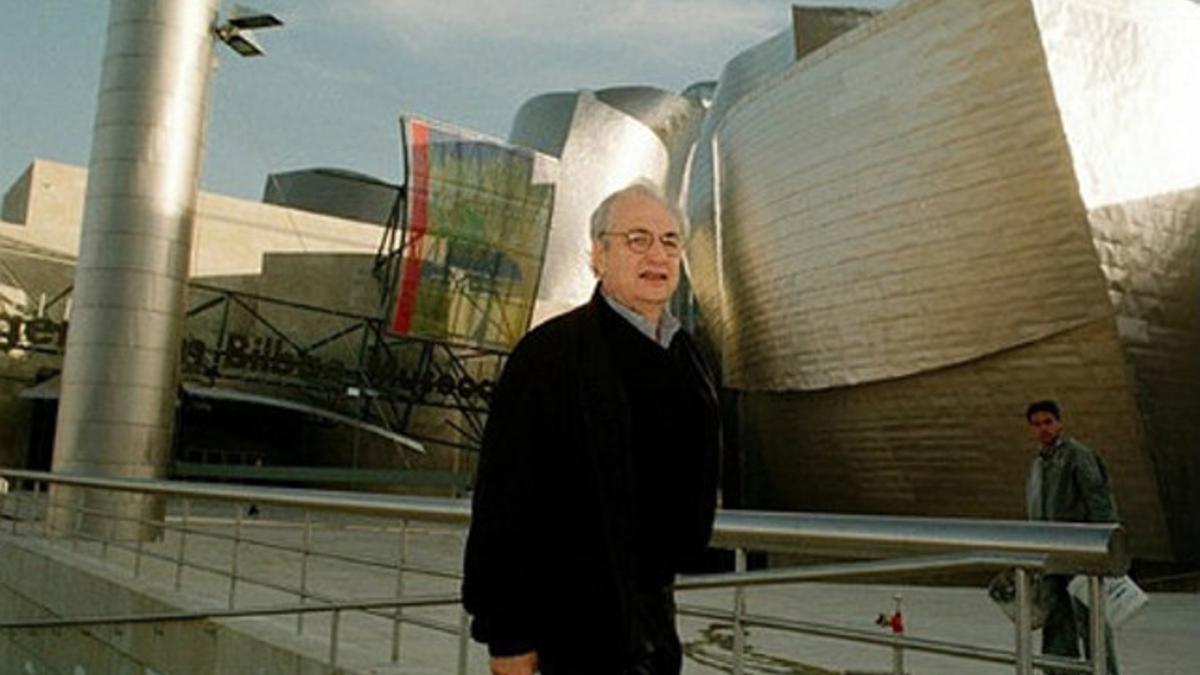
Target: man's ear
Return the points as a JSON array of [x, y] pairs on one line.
[[597, 258]]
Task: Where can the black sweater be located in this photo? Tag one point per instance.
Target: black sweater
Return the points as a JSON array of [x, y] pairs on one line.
[[665, 400], [597, 478]]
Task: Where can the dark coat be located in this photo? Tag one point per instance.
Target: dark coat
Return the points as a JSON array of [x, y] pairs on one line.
[[1071, 485], [549, 560]]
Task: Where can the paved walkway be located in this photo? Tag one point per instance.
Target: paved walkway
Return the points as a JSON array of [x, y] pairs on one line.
[[1162, 640]]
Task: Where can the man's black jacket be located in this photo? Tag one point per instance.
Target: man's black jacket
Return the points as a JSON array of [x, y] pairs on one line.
[[549, 563]]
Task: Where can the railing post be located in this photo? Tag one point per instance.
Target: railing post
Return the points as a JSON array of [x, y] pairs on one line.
[[46, 529], [103, 535], [137, 547], [31, 514], [464, 640], [739, 613], [16, 505], [401, 561], [137, 556], [464, 635], [306, 551], [334, 630], [898, 635], [1024, 623], [233, 563], [183, 532], [1098, 622]]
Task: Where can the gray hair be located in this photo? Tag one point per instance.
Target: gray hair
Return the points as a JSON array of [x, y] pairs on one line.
[[639, 188]]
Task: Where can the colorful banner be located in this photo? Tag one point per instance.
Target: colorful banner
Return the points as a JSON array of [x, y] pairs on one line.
[[474, 237]]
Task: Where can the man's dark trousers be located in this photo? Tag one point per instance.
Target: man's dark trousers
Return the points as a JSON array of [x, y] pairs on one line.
[[658, 650], [1067, 621]]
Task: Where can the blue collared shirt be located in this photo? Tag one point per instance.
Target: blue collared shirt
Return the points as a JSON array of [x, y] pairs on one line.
[[662, 334]]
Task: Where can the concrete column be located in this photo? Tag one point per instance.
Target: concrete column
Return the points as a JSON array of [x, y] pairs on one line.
[[121, 369]]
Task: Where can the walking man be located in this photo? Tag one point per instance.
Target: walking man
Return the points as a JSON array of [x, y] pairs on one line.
[[597, 475], [1067, 482]]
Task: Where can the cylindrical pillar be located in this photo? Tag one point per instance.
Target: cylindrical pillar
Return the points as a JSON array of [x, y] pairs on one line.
[[121, 368]]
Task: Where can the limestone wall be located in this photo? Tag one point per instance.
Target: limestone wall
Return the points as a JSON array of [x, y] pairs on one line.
[[45, 208], [34, 583]]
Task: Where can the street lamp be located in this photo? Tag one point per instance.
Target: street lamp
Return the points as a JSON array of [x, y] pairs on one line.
[[237, 30]]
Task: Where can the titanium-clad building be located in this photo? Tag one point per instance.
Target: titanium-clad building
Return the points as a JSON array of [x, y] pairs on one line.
[[957, 208], [335, 192], [278, 300], [905, 227], [603, 140]]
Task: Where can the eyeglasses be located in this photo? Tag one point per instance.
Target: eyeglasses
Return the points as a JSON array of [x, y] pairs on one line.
[[640, 240]]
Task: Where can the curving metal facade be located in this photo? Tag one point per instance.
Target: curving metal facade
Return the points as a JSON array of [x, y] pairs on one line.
[[604, 140], [811, 29], [955, 209], [901, 234], [334, 192], [704, 261], [121, 369]]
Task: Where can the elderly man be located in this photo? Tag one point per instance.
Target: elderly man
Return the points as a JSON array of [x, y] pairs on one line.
[[1067, 482], [597, 475]]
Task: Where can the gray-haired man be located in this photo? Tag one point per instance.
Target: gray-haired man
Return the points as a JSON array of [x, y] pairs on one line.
[[597, 474]]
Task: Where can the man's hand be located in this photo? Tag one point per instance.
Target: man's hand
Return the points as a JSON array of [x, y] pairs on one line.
[[523, 664]]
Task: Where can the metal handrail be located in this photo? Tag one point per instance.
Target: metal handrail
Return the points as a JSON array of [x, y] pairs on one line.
[[425, 600], [874, 637], [880, 545], [860, 570], [1069, 547], [390, 609], [434, 509], [1099, 549], [334, 609]]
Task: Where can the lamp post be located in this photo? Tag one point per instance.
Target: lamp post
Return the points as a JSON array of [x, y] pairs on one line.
[[121, 368]]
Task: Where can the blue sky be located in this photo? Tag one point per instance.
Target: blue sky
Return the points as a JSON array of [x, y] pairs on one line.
[[337, 76]]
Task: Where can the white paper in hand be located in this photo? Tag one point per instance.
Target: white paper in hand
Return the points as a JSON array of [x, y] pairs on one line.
[[1122, 597]]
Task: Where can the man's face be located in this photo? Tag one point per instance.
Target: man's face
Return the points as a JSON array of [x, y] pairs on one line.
[[643, 281], [1044, 427]]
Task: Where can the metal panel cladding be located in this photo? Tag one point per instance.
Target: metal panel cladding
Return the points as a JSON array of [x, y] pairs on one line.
[[811, 29], [882, 201], [120, 373], [739, 77], [1128, 89], [932, 221], [604, 141]]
